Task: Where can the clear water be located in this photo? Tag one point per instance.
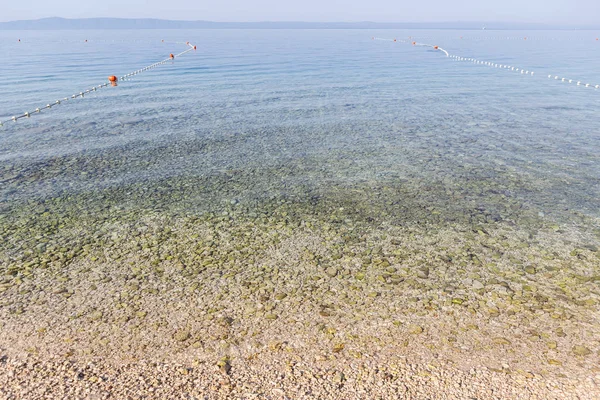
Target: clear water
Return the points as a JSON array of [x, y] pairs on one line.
[[339, 107], [375, 185]]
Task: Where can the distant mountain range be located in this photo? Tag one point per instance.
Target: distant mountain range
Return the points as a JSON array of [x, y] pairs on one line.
[[148, 23]]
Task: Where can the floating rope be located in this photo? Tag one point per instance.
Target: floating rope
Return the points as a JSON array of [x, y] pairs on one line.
[[488, 63], [433, 47], [493, 65], [579, 83], [531, 38], [112, 81], [519, 38], [415, 44]]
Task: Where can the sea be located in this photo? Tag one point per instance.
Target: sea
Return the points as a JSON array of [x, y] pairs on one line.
[[344, 107]]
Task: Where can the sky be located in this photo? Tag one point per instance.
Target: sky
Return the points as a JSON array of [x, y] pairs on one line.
[[572, 12]]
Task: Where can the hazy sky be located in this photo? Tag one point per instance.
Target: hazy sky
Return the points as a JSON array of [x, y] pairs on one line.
[[577, 12]]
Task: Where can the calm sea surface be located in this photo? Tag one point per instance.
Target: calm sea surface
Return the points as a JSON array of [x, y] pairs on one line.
[[339, 107]]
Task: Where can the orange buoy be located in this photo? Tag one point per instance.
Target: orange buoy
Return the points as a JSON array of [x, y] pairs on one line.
[[414, 43], [112, 78], [171, 56], [163, 40], [187, 42], [394, 40], [525, 39], [435, 47], [86, 40], [194, 47]]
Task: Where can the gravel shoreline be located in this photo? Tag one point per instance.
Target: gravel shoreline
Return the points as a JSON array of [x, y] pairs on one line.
[[393, 317], [367, 290], [280, 377]]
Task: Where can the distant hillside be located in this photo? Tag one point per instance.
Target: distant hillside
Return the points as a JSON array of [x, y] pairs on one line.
[[123, 23]]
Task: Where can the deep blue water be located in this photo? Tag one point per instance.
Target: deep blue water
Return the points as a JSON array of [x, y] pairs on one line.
[[273, 96]]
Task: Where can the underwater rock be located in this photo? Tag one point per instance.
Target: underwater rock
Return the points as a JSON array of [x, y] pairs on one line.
[[581, 351]]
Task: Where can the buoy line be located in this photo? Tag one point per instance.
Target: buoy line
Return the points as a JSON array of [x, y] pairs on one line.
[[493, 65], [112, 81], [578, 83], [520, 38], [530, 38], [415, 44], [522, 71]]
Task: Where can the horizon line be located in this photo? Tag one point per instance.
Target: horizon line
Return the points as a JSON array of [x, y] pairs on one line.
[[53, 23], [302, 21]]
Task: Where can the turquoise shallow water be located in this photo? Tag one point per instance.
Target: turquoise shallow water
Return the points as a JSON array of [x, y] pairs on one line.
[[349, 108]]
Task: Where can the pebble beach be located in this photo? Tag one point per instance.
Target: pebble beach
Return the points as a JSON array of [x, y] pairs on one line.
[[345, 291]]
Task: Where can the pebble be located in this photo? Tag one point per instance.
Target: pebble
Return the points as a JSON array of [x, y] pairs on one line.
[[415, 329], [581, 351], [530, 270], [423, 273], [338, 378], [182, 335], [501, 341], [477, 285]]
